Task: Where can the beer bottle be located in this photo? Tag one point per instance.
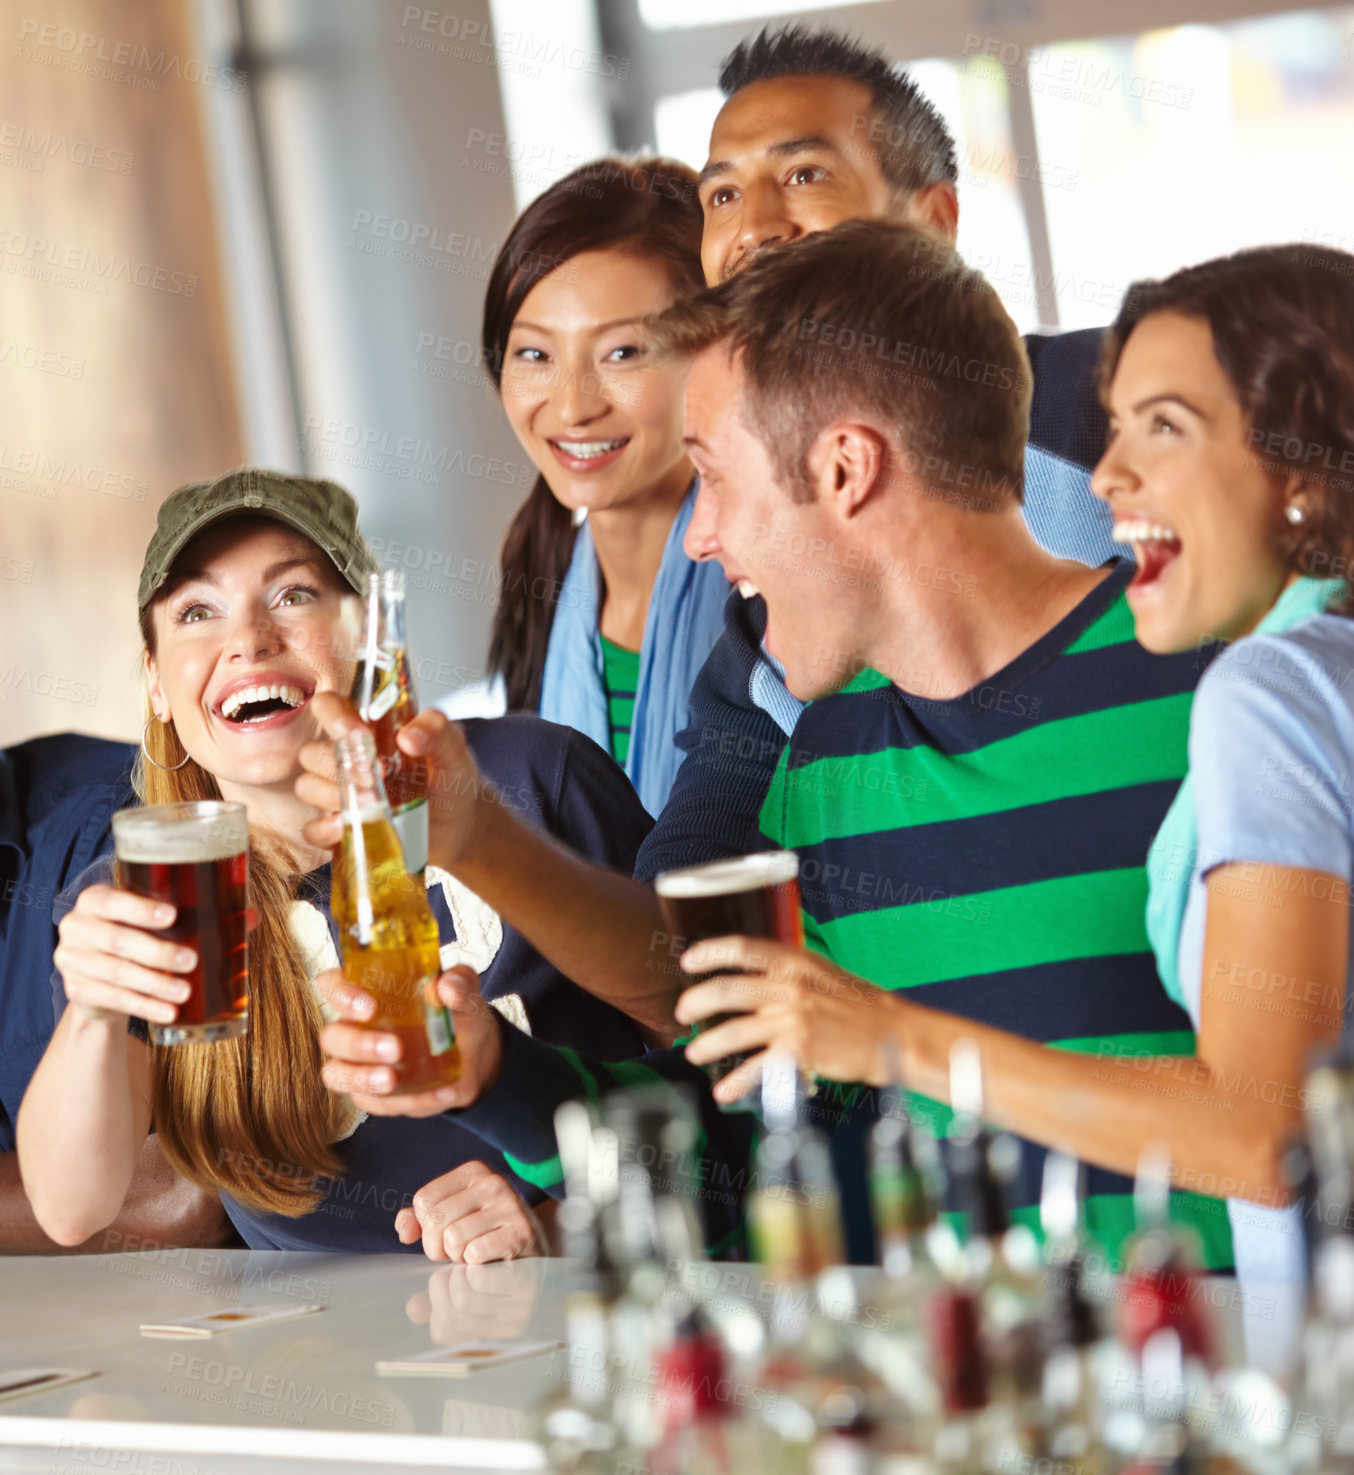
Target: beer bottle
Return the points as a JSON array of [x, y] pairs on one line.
[[383, 693], [386, 929]]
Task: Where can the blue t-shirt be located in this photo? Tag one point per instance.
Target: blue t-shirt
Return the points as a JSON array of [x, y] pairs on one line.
[[1271, 757], [563, 783]]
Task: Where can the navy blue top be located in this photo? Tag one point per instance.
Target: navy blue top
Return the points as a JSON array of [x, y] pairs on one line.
[[564, 783], [57, 795], [732, 745]]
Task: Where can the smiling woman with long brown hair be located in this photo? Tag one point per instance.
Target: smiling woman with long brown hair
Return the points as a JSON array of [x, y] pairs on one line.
[[248, 610]]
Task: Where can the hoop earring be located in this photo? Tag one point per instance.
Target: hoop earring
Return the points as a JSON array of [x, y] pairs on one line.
[[166, 767]]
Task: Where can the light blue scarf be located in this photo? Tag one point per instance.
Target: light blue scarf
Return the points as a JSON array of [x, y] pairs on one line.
[[685, 619], [1171, 860]]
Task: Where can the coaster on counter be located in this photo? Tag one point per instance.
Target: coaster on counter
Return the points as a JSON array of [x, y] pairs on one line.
[[462, 1358], [19, 1382], [232, 1319]]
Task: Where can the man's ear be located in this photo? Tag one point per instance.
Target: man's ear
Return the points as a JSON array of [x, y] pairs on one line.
[[848, 465], [159, 703], [937, 207]]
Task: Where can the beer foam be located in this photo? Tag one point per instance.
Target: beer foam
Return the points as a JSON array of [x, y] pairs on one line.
[[729, 877], [179, 834]]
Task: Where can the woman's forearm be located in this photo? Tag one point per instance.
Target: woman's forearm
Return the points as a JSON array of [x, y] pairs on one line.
[[1226, 1136], [82, 1124]]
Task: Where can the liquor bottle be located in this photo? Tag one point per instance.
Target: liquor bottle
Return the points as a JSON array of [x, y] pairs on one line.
[[387, 932], [651, 1229], [964, 1438], [902, 1178], [794, 1212], [1071, 1382], [573, 1424], [905, 1187], [1161, 1289], [1000, 1259], [794, 1215], [383, 693], [1327, 1381], [1168, 1447]]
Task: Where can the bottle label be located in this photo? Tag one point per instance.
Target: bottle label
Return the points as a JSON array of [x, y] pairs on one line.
[[441, 1035], [383, 701], [411, 825]]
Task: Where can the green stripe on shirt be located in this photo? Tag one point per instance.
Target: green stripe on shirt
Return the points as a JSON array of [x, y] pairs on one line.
[[620, 675], [1086, 916], [893, 788]]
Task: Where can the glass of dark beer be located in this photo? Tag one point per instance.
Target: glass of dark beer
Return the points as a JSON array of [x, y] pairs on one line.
[[749, 896], [195, 856]]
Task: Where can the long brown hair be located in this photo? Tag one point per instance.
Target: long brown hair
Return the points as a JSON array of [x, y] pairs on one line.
[[249, 1115], [648, 207], [1282, 320]]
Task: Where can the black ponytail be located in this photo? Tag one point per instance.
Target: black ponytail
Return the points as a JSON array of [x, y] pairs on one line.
[[535, 558]]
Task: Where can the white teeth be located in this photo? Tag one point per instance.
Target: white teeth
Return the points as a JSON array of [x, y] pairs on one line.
[[748, 589], [585, 450], [283, 692], [1139, 530]]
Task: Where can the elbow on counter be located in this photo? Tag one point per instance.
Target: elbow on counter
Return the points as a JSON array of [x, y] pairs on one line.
[[61, 1221], [68, 1230]]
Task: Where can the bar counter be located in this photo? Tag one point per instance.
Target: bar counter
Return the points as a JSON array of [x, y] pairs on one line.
[[263, 1398]]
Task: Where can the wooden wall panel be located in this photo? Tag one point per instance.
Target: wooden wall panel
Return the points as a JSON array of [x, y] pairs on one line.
[[116, 383]]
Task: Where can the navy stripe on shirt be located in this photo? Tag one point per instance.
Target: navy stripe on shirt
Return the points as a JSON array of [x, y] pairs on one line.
[[1071, 836]]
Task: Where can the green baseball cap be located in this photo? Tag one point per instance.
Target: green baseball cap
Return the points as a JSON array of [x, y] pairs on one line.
[[321, 510]]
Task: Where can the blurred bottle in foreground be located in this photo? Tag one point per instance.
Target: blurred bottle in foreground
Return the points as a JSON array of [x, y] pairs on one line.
[[1073, 1412]]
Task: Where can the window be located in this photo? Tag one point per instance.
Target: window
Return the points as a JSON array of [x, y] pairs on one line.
[[1173, 146]]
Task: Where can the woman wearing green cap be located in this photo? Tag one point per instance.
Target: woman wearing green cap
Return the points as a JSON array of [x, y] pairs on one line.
[[247, 608]]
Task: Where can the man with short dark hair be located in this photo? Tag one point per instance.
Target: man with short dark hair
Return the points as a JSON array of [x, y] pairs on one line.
[[817, 129]]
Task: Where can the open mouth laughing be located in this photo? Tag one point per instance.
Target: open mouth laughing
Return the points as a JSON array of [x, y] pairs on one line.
[[1155, 548], [259, 702]]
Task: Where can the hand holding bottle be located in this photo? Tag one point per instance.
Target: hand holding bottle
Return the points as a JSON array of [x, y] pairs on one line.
[[454, 780], [361, 1060]]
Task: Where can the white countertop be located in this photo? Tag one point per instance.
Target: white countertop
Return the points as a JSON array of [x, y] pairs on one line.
[[256, 1400], [302, 1389]]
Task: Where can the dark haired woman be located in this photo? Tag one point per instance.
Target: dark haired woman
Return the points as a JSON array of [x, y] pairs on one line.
[[1230, 469], [603, 621]]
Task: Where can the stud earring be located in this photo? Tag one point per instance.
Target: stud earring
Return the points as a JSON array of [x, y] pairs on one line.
[[1294, 514]]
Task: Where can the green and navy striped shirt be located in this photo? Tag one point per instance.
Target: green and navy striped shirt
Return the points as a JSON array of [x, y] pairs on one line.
[[987, 853], [620, 674]]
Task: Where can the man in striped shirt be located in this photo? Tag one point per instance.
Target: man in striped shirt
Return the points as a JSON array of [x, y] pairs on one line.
[[986, 752]]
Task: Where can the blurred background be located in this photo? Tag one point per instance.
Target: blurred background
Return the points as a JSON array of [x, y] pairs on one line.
[[260, 230]]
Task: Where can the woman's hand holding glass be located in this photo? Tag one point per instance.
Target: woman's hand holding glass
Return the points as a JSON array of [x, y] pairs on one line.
[[112, 963]]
